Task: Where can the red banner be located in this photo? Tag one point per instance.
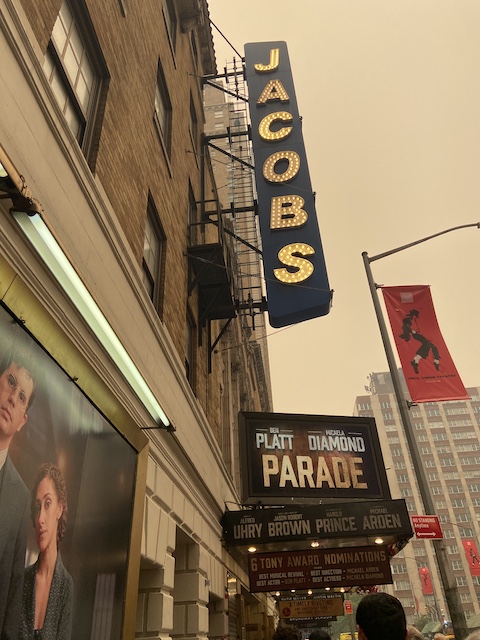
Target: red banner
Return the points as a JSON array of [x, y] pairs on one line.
[[417, 605], [426, 580], [473, 558], [428, 368]]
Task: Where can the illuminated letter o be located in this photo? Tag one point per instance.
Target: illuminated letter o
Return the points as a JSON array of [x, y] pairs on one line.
[[291, 171]]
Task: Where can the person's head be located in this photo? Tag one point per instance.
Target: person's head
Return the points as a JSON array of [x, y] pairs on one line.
[[49, 506], [17, 391], [380, 616], [319, 635], [287, 632], [413, 633]]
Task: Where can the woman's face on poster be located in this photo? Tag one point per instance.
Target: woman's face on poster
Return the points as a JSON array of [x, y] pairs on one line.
[[47, 514]]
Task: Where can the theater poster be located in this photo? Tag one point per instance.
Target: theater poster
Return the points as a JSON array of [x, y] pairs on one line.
[[98, 467], [429, 370]]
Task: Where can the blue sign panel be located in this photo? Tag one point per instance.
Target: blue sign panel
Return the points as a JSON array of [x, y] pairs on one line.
[[294, 265]]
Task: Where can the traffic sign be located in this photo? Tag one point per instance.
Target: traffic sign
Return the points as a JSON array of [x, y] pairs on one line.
[[427, 527]]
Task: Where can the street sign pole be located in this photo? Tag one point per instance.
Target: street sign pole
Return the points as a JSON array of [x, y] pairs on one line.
[[347, 607]]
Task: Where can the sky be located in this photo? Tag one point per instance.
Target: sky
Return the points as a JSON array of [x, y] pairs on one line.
[[389, 93]]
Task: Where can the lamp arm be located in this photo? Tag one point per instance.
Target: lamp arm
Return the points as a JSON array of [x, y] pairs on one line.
[[412, 244]]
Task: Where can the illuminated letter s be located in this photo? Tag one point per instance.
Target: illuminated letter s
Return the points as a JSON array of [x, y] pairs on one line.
[[304, 268]]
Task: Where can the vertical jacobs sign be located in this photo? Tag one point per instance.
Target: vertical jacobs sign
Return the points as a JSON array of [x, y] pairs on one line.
[[294, 265]]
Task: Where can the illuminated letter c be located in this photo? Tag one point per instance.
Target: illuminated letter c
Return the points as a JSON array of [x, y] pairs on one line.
[[272, 136]]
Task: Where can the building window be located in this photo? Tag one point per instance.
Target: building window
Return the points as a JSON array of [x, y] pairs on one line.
[[462, 517], [456, 488], [170, 18], [398, 568], [153, 257], [193, 44], [447, 462], [461, 581], [190, 343], [193, 125], [401, 585], [76, 71], [163, 112]]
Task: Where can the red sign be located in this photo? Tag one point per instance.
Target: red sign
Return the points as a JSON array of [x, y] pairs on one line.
[[426, 580], [427, 527], [428, 368], [473, 558], [319, 568], [347, 605]]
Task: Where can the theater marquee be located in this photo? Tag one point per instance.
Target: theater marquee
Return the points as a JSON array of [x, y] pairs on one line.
[[329, 458], [294, 264], [387, 518], [319, 568]]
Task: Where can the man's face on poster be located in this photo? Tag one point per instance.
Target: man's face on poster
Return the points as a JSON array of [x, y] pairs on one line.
[[16, 387]]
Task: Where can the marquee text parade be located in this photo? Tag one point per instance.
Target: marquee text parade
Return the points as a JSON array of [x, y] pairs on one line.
[[341, 467]]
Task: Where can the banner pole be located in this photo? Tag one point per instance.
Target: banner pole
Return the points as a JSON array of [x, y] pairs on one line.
[[452, 597]]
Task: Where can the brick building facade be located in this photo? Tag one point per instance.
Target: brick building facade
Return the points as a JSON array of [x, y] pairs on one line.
[[101, 117]]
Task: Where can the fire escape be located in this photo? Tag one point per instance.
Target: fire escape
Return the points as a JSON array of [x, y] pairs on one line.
[[225, 250]]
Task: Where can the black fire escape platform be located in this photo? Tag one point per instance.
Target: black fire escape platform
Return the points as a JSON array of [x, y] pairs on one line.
[[213, 276]]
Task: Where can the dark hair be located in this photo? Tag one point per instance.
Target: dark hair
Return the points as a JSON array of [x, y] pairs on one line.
[[321, 634], [22, 357], [381, 616], [288, 632], [48, 470]]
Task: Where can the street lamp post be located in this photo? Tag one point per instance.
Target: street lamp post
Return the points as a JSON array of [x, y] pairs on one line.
[[445, 569]]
